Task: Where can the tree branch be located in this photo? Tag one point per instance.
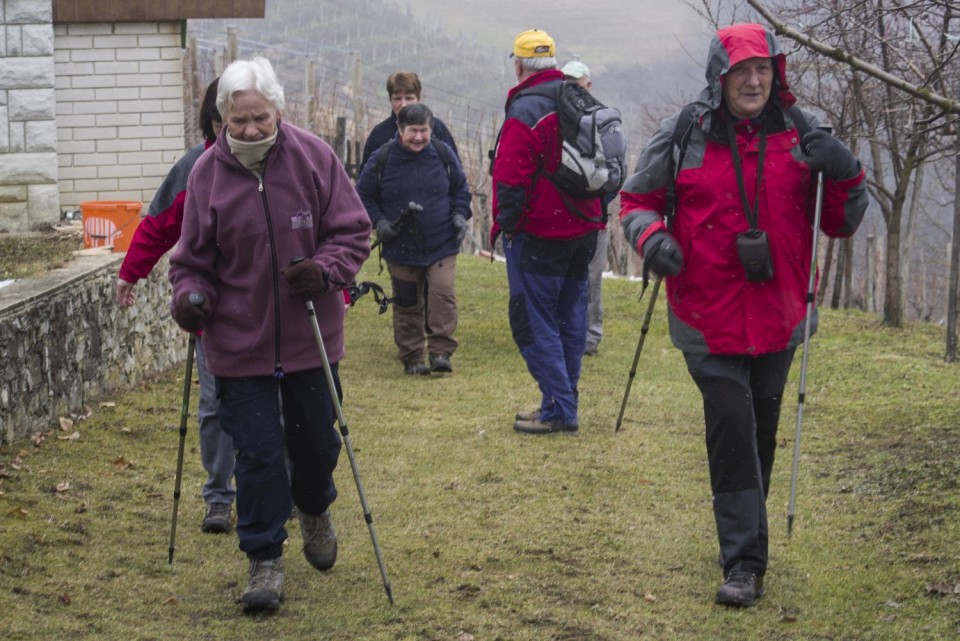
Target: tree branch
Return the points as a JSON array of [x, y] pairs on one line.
[[835, 53]]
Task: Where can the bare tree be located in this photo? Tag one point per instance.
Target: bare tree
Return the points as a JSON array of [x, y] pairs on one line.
[[893, 62]]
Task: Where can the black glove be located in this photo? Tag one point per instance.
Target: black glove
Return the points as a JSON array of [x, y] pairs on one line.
[[823, 152], [386, 231], [662, 253], [460, 224], [190, 315], [306, 277]]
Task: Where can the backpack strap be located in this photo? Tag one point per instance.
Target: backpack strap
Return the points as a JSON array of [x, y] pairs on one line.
[[446, 155], [383, 152], [799, 121], [686, 121]]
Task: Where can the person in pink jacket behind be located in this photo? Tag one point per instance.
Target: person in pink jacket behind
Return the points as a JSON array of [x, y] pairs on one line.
[[265, 194], [156, 234]]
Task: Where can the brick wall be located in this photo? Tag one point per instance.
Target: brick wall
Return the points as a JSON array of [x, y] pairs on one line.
[[119, 109], [28, 141]]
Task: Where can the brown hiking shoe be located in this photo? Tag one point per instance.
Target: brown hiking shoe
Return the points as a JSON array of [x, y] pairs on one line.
[[265, 586], [217, 518], [319, 539], [532, 415]]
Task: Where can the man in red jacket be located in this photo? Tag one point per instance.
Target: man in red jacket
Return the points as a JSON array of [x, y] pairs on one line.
[[737, 259], [549, 240]]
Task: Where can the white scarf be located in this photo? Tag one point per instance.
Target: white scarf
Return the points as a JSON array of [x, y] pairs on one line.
[[251, 154]]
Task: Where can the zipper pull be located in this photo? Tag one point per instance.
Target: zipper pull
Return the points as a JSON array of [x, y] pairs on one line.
[[260, 184]]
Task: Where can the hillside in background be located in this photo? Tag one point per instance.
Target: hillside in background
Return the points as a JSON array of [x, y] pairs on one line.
[[460, 49]]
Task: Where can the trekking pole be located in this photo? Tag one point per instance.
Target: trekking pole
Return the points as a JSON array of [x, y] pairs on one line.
[[636, 357], [196, 298], [342, 423], [811, 300]]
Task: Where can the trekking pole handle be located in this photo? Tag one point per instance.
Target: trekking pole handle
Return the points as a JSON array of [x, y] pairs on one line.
[[196, 298]]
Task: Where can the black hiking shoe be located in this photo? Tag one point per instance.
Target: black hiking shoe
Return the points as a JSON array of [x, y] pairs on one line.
[[440, 363], [217, 519], [740, 588], [536, 426], [416, 369], [265, 586]]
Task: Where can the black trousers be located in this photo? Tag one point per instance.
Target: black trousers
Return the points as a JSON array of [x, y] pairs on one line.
[[250, 412], [741, 409]]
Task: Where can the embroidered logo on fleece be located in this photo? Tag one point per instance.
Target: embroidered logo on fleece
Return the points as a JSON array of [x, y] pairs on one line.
[[301, 220]]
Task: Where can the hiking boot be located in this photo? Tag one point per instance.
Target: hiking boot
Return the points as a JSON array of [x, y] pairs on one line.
[[265, 587], [217, 518], [415, 369], [532, 415], [440, 363], [536, 426], [590, 350], [740, 588], [319, 539]]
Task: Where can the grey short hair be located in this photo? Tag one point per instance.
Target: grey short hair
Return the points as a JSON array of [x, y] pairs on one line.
[[538, 64], [246, 75]]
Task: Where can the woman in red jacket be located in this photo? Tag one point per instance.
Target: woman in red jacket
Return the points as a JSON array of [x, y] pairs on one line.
[[156, 234]]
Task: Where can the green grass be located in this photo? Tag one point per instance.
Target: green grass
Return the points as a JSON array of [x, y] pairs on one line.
[[489, 535], [23, 255]]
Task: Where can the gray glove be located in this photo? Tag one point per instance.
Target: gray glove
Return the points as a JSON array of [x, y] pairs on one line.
[[460, 224], [386, 231], [662, 253], [823, 152]]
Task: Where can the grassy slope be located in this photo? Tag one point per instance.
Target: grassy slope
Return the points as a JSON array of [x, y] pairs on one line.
[[488, 533]]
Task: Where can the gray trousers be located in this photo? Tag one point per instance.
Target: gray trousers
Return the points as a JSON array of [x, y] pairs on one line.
[[216, 446], [594, 287]]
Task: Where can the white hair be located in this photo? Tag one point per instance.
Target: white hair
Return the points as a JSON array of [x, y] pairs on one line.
[[246, 75], [538, 64]]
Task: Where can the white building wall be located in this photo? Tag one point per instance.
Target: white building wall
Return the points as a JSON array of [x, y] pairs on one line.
[[28, 152], [119, 109]]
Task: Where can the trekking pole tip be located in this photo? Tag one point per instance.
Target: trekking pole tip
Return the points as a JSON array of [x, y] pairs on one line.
[[170, 559], [789, 526]]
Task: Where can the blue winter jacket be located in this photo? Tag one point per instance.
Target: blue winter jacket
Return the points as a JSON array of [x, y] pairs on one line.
[[419, 177]]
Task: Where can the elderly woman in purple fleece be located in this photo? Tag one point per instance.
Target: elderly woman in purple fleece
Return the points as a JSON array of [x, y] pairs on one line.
[[264, 194]]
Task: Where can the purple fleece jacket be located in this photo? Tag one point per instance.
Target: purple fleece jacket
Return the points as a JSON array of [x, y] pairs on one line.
[[239, 231]]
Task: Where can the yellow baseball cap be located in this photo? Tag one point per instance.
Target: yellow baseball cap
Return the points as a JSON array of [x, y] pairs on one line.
[[533, 44]]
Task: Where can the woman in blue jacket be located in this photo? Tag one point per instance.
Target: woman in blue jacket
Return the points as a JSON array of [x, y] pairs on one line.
[[419, 243]]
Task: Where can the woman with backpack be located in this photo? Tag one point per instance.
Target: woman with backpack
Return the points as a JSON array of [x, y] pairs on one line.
[[418, 200]]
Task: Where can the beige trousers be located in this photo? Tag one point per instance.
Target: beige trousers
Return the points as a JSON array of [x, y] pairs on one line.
[[424, 309]]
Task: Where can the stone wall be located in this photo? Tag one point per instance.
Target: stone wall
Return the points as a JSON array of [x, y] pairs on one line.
[[65, 341]]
